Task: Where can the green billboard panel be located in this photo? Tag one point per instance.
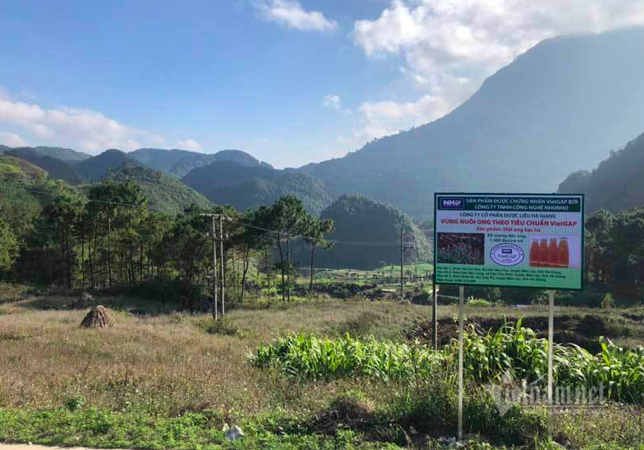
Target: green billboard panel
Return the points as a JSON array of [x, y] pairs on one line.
[[522, 240]]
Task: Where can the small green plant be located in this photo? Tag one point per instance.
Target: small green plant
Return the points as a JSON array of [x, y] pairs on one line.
[[75, 403], [608, 302], [479, 303], [223, 327]]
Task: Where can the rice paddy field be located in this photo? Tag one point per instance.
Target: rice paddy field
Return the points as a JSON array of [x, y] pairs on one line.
[[319, 374]]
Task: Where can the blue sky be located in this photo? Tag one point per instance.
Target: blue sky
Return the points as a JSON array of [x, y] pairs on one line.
[[289, 81]]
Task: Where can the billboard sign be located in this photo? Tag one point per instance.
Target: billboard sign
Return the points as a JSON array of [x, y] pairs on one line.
[[510, 240]]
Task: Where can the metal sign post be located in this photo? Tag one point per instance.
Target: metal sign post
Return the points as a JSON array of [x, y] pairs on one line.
[[461, 304], [434, 316], [551, 314]]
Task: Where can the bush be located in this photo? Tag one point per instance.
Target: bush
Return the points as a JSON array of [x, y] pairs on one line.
[[479, 302], [166, 290]]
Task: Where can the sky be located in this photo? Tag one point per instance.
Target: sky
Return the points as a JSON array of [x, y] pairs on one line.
[[289, 81]]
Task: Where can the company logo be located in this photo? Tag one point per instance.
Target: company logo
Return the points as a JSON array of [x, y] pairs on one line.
[[452, 203], [507, 254]]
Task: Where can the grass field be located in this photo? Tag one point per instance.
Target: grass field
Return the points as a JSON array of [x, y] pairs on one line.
[[161, 379]]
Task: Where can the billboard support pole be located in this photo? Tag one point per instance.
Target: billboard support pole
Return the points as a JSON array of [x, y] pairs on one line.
[[461, 303], [434, 314], [551, 308]]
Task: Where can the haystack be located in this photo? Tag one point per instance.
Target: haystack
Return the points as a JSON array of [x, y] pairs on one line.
[[98, 317]]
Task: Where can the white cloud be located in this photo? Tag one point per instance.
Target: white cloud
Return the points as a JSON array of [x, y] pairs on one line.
[[450, 46], [189, 144], [291, 14], [379, 119], [82, 129], [332, 101], [12, 140], [483, 34]]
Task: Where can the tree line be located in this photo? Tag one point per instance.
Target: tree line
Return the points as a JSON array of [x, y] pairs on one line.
[[111, 239], [615, 247]]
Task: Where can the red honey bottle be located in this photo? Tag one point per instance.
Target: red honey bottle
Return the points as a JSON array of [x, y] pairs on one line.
[[563, 253], [535, 257], [543, 253], [553, 253]]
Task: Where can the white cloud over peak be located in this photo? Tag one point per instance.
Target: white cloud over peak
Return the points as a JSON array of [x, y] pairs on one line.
[[450, 46], [12, 140], [483, 34], [189, 144], [82, 129], [332, 101], [291, 14], [379, 119]]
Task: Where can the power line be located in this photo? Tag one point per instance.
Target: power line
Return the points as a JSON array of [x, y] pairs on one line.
[[244, 223]]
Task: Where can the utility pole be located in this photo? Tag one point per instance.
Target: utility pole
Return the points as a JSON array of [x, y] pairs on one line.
[[223, 264], [215, 312]]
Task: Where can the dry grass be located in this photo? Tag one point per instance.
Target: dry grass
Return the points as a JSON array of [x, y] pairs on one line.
[[166, 364]]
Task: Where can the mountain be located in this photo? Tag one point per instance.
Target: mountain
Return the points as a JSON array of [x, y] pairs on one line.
[[55, 167], [196, 160], [97, 167], [181, 162], [555, 109], [245, 187], [159, 159], [377, 227], [617, 184], [25, 189], [63, 154], [164, 193]]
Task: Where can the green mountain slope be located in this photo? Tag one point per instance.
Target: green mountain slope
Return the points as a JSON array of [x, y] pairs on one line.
[[56, 168], [164, 193], [377, 227], [246, 187], [181, 162], [556, 108], [24, 189], [63, 154], [196, 160], [617, 184], [97, 167], [159, 159]]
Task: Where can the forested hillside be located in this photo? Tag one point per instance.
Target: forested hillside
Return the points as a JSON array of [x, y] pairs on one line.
[[245, 187], [164, 193], [553, 110], [368, 235], [97, 167], [159, 159], [56, 168], [64, 154], [181, 162], [617, 184], [24, 189]]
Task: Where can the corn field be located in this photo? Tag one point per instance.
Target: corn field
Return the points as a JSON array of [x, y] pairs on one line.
[[512, 351], [309, 357]]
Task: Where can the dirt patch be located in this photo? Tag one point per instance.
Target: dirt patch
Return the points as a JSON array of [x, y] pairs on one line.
[[343, 413], [582, 330]]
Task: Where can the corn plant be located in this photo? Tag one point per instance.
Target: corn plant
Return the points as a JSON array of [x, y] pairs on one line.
[[513, 350], [310, 357]]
